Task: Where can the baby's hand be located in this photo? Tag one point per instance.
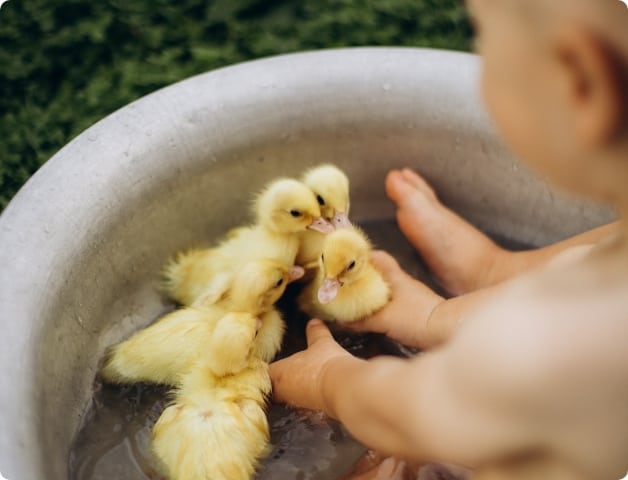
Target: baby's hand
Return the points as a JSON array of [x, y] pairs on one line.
[[405, 317], [297, 379]]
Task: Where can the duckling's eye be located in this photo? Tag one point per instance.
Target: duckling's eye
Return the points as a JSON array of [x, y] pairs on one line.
[[295, 213], [279, 283], [320, 200], [351, 265]]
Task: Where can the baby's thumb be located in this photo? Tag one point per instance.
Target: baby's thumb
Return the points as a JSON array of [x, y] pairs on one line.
[[316, 330], [386, 264]]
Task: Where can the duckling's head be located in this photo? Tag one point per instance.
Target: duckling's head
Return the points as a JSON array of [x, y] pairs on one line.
[[331, 188], [258, 285], [345, 254], [288, 206]]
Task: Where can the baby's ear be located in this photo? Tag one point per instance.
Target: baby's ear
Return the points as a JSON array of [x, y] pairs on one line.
[[595, 84]]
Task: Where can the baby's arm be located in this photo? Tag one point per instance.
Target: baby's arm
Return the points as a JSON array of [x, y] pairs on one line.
[[417, 316], [454, 404], [526, 260], [528, 376]]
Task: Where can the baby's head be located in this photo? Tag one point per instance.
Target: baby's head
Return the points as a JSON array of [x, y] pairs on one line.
[[555, 80]]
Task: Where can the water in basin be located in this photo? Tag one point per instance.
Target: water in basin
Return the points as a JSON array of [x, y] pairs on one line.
[[115, 439]]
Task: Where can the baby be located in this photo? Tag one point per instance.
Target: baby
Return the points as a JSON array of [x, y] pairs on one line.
[[525, 376]]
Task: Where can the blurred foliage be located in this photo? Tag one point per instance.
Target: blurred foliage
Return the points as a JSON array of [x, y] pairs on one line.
[[64, 64]]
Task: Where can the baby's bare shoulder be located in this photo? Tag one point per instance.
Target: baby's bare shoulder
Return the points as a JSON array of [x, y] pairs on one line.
[[545, 327], [553, 363]]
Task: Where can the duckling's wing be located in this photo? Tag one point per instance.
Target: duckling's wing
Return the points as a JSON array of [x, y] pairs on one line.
[[161, 352], [231, 343]]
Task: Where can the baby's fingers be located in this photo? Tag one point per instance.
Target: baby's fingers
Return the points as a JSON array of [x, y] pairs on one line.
[[385, 263], [389, 268], [316, 330]]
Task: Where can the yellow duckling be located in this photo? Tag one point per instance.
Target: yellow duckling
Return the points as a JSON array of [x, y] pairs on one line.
[[216, 429], [224, 331], [347, 286], [331, 187], [283, 209]]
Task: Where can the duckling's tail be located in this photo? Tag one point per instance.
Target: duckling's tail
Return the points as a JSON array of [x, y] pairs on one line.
[[215, 441], [182, 276]]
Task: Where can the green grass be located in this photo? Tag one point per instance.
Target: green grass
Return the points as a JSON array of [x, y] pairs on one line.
[[64, 64]]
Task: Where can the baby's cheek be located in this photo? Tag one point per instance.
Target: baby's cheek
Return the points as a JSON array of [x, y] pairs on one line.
[[496, 103], [493, 85], [509, 111]]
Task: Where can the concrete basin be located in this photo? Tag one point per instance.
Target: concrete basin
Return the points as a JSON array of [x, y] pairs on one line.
[[82, 243]]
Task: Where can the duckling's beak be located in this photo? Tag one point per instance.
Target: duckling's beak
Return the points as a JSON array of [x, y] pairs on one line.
[[321, 225], [295, 272], [341, 220], [328, 290]]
